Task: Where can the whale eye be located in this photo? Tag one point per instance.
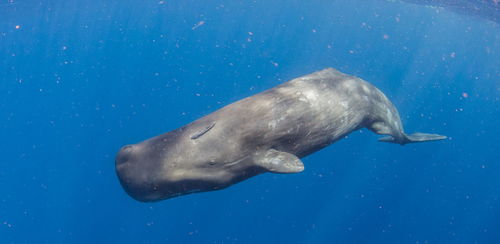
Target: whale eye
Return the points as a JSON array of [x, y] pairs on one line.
[[211, 163]]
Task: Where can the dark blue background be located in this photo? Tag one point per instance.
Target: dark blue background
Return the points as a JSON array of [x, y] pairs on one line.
[[79, 79]]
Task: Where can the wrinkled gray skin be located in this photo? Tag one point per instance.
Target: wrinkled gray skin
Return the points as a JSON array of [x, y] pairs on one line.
[[267, 132]]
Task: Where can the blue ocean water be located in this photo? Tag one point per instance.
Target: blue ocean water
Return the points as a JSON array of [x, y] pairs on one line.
[[80, 79]]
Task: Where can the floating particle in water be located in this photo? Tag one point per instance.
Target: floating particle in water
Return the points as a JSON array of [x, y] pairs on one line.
[[465, 95], [17, 27], [200, 23], [249, 38]]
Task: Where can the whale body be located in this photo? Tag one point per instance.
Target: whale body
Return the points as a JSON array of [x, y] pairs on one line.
[[266, 132]]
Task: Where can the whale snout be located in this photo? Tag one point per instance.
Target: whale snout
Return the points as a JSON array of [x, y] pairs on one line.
[[136, 173], [124, 155]]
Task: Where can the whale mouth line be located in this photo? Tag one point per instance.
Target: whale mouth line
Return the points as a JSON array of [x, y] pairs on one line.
[[237, 161]]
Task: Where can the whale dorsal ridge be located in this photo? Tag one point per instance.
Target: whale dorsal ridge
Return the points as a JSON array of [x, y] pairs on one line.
[[279, 162]]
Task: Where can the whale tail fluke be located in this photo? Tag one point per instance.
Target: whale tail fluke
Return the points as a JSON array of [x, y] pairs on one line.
[[412, 138]]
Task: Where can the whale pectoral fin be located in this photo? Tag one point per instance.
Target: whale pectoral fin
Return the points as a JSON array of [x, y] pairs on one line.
[[415, 137], [279, 162]]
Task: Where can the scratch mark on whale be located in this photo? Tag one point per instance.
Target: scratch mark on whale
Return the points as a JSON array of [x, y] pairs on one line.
[[202, 132]]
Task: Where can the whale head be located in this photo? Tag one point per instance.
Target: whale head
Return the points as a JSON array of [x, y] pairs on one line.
[[176, 163]]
